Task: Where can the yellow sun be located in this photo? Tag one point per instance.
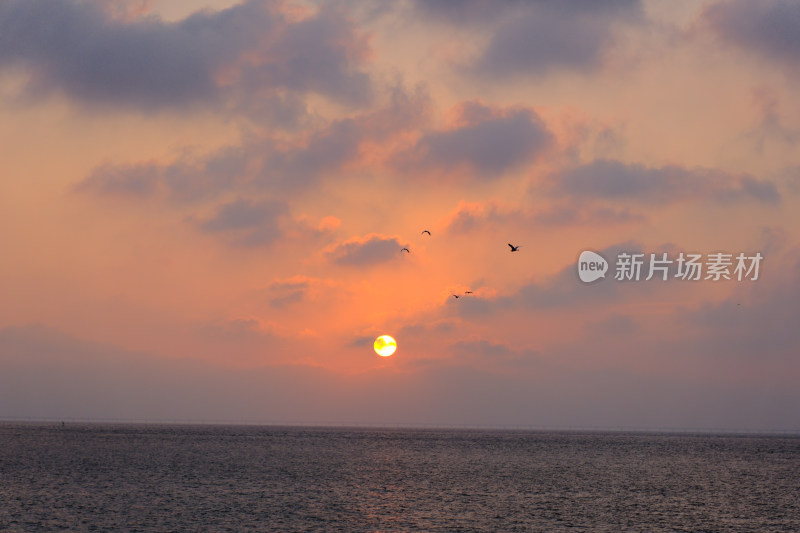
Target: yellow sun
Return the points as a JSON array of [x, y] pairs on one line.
[[385, 346]]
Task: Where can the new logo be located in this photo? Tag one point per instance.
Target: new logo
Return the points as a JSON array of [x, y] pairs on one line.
[[591, 266]]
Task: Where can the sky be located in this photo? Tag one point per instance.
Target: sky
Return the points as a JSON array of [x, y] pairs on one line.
[[203, 203]]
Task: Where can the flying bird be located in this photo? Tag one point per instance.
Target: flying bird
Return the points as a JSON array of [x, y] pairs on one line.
[[456, 296], [467, 292], [405, 250], [513, 248], [425, 231]]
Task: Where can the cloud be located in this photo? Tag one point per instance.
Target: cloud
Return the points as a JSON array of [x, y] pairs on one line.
[[282, 293], [247, 52], [494, 355], [466, 11], [767, 28], [609, 179], [197, 177], [191, 177], [47, 374], [244, 214], [771, 126], [758, 320], [615, 325], [368, 250], [326, 150], [338, 143], [317, 54], [261, 162], [237, 332], [252, 223], [564, 291], [470, 216], [538, 37], [474, 216], [571, 215], [139, 180], [487, 141]]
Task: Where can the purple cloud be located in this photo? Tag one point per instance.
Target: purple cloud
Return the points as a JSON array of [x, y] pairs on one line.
[[246, 52], [536, 37], [767, 28], [610, 179], [472, 217], [369, 250], [554, 35], [248, 223], [262, 163], [488, 141]]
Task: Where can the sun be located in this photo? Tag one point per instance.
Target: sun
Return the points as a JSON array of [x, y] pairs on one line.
[[385, 346]]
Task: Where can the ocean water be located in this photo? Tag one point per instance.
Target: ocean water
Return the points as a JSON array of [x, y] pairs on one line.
[[220, 478]]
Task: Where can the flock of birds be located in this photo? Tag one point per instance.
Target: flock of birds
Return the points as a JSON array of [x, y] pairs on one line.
[[457, 296]]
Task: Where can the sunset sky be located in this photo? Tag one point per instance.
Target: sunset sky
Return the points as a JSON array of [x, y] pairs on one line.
[[202, 206]]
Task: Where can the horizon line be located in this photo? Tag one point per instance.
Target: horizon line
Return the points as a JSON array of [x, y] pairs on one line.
[[365, 425]]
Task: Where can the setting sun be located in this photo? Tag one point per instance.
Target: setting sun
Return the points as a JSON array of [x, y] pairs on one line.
[[385, 346]]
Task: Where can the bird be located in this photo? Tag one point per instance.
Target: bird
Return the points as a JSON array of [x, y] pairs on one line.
[[513, 248], [425, 231], [405, 250], [456, 296], [467, 292]]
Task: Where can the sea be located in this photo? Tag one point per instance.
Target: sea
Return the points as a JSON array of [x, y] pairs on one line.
[[134, 477]]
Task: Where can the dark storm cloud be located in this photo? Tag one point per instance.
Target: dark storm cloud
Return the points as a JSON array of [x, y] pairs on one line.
[[77, 48], [248, 223], [486, 140], [369, 250], [768, 28], [536, 37], [612, 179]]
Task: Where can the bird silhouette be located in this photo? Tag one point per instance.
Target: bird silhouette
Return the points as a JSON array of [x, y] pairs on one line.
[[467, 292], [405, 250], [456, 296], [513, 248], [425, 231]]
